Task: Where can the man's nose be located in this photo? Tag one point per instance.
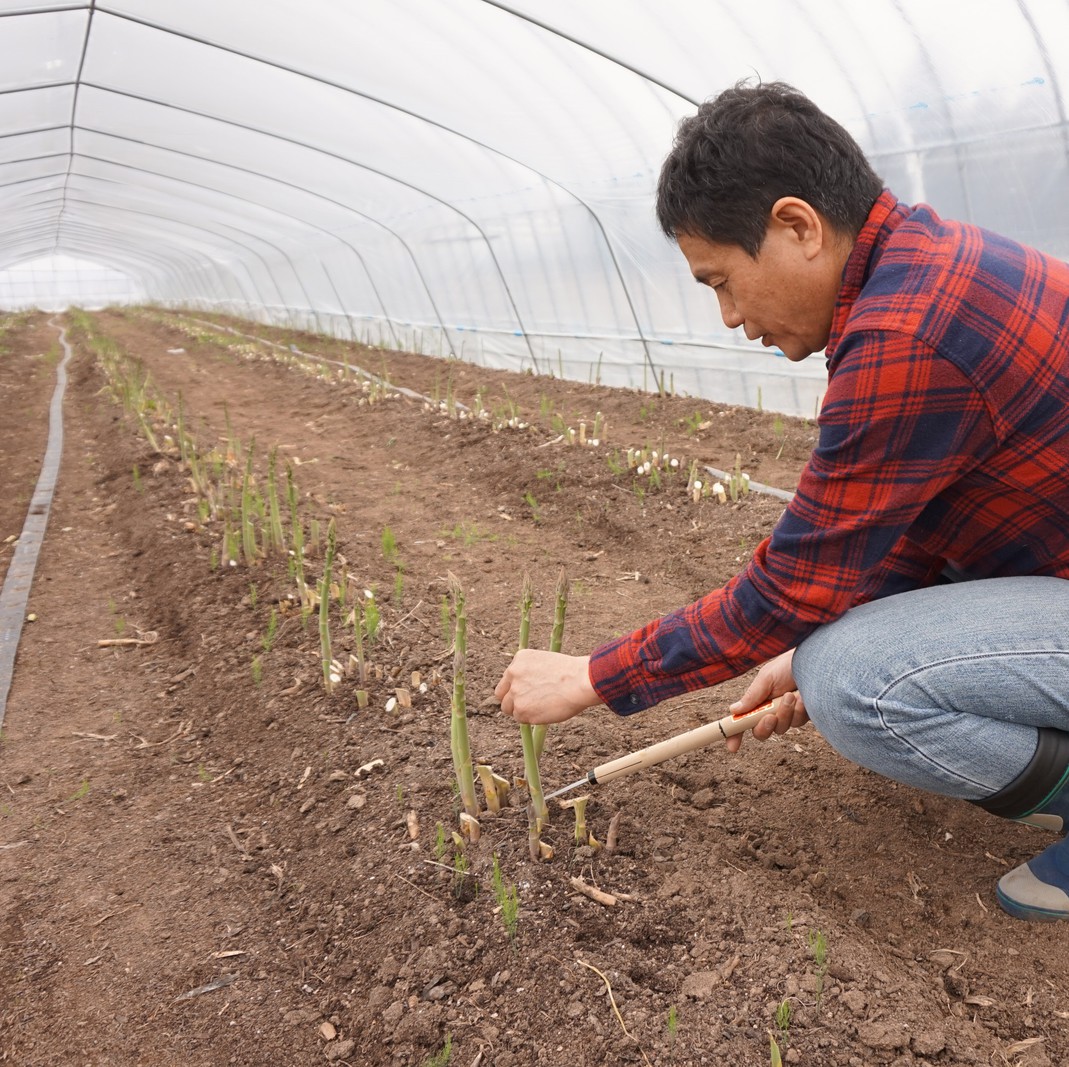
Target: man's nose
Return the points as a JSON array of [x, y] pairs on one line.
[[730, 314]]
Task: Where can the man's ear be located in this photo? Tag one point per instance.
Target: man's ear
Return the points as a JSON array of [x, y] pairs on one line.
[[798, 221]]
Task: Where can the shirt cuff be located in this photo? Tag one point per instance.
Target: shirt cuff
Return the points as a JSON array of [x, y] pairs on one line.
[[611, 671]]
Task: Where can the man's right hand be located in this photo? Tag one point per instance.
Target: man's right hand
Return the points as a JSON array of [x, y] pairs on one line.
[[774, 679]]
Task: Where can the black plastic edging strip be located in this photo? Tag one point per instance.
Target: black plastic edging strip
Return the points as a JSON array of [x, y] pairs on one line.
[[19, 578]]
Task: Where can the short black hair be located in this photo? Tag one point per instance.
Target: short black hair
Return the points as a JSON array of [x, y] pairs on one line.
[[751, 145]]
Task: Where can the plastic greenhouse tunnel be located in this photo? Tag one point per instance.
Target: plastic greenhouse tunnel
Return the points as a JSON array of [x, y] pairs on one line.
[[476, 179], [496, 573]]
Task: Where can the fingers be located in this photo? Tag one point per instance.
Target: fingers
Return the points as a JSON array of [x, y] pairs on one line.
[[758, 692], [541, 687], [790, 714], [774, 679]]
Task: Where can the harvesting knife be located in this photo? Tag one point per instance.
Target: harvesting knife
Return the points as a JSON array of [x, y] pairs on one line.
[[722, 729]]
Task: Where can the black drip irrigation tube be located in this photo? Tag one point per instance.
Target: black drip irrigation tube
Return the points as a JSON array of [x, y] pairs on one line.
[[19, 577]]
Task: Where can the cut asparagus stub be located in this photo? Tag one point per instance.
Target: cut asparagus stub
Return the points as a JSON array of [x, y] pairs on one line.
[[487, 777], [534, 833], [579, 806], [469, 827], [504, 787]]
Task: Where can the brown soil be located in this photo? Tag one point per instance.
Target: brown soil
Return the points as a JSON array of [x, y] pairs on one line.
[[195, 868]]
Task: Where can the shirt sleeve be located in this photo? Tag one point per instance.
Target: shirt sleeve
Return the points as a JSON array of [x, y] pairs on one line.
[[899, 425]]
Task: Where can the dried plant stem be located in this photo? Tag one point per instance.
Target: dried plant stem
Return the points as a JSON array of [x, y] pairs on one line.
[[612, 1000]]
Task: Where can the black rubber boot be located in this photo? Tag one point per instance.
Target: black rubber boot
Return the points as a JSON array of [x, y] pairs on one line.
[[1039, 889]]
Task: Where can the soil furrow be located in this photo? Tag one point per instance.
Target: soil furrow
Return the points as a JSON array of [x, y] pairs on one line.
[[181, 821]]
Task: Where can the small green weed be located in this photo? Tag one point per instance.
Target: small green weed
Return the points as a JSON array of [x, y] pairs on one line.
[[780, 433], [468, 534], [389, 545], [782, 1019], [673, 1024], [371, 618], [81, 792], [442, 1057], [508, 900], [465, 887], [818, 945], [554, 476], [532, 502], [692, 423]]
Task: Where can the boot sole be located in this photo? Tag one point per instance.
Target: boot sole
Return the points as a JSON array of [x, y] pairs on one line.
[[1027, 912]]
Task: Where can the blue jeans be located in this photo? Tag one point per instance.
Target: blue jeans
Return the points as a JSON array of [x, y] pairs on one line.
[[943, 688]]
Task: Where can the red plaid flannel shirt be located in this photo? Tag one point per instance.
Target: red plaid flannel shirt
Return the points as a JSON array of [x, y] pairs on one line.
[[944, 437]]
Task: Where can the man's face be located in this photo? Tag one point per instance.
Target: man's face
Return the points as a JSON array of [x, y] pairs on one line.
[[786, 296]]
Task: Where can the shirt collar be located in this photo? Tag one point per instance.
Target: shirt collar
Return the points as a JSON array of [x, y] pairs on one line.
[[885, 216]]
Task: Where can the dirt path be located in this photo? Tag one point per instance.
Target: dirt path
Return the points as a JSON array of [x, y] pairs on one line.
[[194, 869]]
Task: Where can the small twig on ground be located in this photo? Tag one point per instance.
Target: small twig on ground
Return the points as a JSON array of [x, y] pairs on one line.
[[612, 1001], [149, 638], [104, 918], [595, 894], [297, 683], [416, 887], [219, 983], [237, 844], [183, 728], [408, 615]]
